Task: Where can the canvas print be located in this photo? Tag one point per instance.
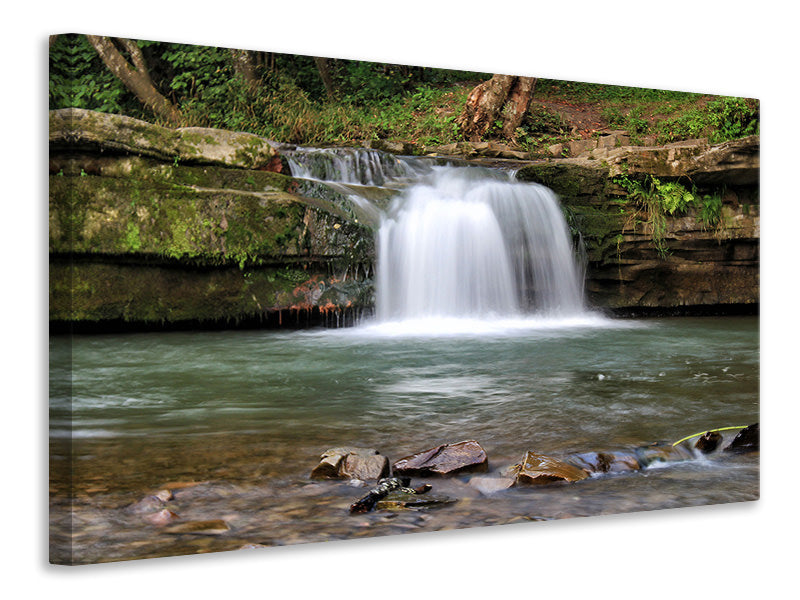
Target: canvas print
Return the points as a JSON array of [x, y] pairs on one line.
[[297, 299]]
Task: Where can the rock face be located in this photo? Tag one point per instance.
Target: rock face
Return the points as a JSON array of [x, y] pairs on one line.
[[446, 459], [155, 226], [351, 463], [702, 265]]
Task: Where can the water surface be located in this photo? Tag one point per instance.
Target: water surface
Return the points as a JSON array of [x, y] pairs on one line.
[[247, 414]]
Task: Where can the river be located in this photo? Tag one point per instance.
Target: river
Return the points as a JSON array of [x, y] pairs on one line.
[[244, 415]]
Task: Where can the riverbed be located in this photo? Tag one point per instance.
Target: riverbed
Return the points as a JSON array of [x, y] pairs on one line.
[[233, 422]]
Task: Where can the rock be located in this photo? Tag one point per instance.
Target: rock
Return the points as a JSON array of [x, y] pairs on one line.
[[556, 150], [402, 500], [488, 485], [211, 527], [161, 518], [79, 129], [747, 440], [617, 461], [538, 469], [447, 459], [708, 442], [148, 504], [351, 463], [647, 455], [577, 147]]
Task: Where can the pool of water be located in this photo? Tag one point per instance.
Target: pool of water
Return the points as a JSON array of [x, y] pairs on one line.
[[246, 414]]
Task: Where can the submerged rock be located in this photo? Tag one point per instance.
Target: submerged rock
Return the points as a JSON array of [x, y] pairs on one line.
[[351, 463], [402, 500], [604, 462], [488, 484], [211, 527], [537, 469], [658, 452], [447, 459], [747, 440], [161, 518]]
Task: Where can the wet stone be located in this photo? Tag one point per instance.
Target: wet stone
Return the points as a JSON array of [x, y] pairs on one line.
[[446, 459], [161, 518], [647, 455], [538, 469], [488, 485], [708, 442], [747, 440], [211, 527], [351, 463], [403, 500]]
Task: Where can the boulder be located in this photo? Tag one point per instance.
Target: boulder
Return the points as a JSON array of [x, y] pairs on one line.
[[747, 440], [538, 469], [75, 129], [351, 463], [446, 459]]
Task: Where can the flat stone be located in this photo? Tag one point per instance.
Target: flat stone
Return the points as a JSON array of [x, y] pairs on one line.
[[538, 469], [402, 500], [446, 459]]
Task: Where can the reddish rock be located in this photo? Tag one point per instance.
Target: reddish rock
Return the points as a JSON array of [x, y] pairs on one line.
[[538, 469], [447, 459], [708, 442]]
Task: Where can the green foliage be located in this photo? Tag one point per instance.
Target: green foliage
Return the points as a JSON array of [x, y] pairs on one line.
[[724, 119], [79, 79], [659, 199]]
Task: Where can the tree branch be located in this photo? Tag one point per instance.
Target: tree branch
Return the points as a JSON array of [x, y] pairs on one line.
[[136, 79]]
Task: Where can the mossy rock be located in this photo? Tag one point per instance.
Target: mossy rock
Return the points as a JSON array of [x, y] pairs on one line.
[[74, 129]]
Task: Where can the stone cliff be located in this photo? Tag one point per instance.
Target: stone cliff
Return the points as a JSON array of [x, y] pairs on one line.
[[152, 227]]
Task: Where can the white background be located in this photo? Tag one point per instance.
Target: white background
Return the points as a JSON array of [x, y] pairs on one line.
[[735, 48]]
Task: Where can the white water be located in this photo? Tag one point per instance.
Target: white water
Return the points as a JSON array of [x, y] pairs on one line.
[[466, 244], [461, 249]]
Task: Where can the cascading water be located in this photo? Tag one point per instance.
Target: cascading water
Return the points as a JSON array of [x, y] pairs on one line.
[[459, 242], [469, 243]]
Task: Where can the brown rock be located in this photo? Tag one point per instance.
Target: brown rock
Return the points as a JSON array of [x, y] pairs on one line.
[[351, 463], [538, 469], [708, 442], [447, 459]]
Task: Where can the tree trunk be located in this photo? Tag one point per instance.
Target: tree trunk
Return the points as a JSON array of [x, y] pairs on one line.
[[503, 99], [135, 77], [245, 63], [325, 74], [517, 103]]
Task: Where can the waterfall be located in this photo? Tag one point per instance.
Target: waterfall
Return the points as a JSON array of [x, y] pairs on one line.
[[458, 242], [469, 242]]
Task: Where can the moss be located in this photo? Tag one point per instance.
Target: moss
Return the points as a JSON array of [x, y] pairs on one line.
[[569, 180], [100, 291]]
